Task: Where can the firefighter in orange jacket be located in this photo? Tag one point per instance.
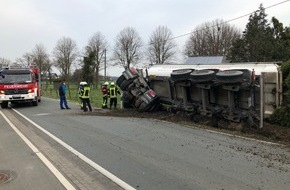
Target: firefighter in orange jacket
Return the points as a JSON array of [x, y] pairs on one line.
[[113, 91]]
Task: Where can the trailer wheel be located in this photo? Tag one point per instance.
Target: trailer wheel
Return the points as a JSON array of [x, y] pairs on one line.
[[202, 75], [120, 80], [125, 84], [148, 106], [180, 74], [155, 107], [127, 97], [138, 102], [4, 104], [229, 76], [144, 107]]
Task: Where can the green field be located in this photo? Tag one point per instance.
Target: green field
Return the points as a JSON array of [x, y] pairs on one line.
[[96, 98]]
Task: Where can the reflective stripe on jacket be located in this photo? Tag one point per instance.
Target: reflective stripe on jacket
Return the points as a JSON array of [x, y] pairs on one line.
[[81, 91], [113, 92], [86, 93]]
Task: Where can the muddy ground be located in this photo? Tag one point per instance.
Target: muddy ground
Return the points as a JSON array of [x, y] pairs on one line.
[[270, 132]]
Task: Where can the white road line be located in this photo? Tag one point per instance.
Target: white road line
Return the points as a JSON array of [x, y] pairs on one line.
[[50, 166], [41, 114], [99, 168]]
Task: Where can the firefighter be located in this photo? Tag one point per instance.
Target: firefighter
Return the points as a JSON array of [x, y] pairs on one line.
[[113, 91], [105, 92], [80, 92], [86, 97]]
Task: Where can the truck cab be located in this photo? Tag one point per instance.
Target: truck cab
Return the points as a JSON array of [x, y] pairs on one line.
[[19, 84]]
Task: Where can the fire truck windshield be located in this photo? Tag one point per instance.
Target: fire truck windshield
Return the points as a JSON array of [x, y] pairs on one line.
[[16, 78]]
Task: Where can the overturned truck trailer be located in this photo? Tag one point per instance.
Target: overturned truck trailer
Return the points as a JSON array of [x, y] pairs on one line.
[[233, 91]]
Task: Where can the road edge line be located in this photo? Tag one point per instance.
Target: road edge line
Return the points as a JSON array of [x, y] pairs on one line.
[[48, 164], [99, 168]]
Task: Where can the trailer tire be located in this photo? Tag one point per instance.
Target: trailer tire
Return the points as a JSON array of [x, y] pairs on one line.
[[154, 107], [202, 75], [180, 74], [127, 97], [230, 76], [144, 107], [138, 102], [148, 106], [120, 80], [125, 84]]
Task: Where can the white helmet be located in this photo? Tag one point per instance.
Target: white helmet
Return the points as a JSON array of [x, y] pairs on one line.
[[112, 83], [83, 83]]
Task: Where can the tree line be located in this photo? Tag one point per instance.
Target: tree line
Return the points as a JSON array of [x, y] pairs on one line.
[[261, 41]]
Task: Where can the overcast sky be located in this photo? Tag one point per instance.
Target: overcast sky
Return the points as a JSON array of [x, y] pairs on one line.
[[25, 23]]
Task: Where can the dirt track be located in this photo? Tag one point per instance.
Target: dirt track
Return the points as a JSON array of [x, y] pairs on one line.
[[269, 132]]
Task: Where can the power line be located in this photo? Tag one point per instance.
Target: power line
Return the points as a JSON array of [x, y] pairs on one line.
[[274, 5], [245, 15]]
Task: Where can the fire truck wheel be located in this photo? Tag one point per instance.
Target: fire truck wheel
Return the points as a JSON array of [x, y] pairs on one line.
[[4, 104], [180, 74], [120, 80], [35, 103]]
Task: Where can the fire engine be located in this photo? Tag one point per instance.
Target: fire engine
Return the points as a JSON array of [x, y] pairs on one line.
[[19, 84]]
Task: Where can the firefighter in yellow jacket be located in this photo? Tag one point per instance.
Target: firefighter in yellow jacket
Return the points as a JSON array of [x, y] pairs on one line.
[[112, 94], [85, 96], [80, 92]]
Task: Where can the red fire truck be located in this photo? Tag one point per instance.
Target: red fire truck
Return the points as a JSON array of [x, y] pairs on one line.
[[20, 84]]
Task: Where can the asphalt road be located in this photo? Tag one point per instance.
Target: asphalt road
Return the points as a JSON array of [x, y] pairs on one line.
[[148, 154]]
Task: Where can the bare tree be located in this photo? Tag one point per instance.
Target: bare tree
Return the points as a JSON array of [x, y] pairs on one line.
[[65, 54], [211, 39], [162, 48], [26, 59], [41, 58], [127, 49], [4, 62], [97, 46]]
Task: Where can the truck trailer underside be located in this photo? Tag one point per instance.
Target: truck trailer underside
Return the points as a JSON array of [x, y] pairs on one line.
[[235, 92]]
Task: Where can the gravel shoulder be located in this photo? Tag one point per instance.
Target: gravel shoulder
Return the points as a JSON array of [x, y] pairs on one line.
[[270, 132]]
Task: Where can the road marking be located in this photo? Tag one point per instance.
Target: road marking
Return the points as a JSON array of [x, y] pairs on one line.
[[50, 166], [40, 114], [99, 168]]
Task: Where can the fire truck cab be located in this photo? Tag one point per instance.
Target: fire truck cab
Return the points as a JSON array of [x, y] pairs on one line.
[[19, 84]]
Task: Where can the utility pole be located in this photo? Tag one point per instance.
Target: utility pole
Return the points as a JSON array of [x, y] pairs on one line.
[[105, 63]]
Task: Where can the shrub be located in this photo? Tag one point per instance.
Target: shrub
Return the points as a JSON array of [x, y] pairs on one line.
[[281, 116]]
